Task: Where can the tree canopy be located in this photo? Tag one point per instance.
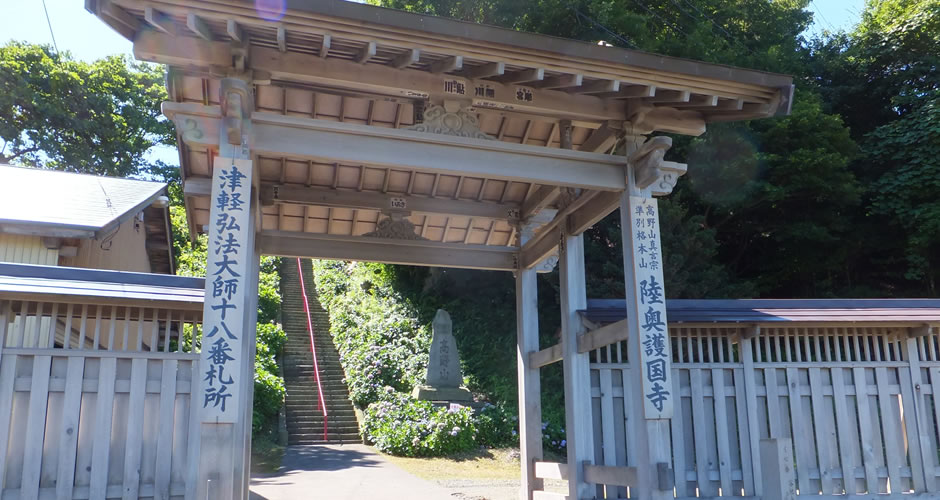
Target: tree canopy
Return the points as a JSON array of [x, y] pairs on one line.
[[837, 199], [100, 117]]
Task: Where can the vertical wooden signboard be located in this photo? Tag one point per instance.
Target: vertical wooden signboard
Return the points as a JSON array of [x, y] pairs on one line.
[[227, 276], [655, 351]]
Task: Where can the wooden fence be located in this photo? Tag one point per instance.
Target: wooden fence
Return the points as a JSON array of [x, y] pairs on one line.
[[858, 404], [96, 401]]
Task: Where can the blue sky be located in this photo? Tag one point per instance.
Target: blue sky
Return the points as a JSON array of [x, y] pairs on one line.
[[87, 38]]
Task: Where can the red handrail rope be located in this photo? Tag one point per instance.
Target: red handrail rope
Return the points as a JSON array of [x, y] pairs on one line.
[[313, 349]]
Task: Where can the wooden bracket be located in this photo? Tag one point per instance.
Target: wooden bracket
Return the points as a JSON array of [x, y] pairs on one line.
[[750, 332], [236, 103], [651, 170], [919, 331]]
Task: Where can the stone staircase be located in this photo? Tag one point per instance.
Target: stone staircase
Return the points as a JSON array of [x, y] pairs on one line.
[[304, 419]]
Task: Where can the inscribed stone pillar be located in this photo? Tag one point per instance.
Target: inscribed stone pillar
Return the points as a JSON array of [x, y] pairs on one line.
[[443, 376]]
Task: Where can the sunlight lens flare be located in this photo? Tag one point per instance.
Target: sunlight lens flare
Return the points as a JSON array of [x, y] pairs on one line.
[[271, 10]]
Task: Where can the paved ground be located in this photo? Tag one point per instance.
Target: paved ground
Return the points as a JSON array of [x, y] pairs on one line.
[[347, 472]]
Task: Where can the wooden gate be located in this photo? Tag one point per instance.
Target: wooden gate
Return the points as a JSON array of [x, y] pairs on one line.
[[857, 402]]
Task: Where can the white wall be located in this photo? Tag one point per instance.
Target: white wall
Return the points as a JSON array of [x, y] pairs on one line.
[[125, 250]]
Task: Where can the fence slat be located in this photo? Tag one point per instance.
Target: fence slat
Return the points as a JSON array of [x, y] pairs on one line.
[[721, 427], [773, 403], [134, 424], [910, 427], [99, 312], [923, 424], [82, 327], [155, 331], [101, 448], [863, 406], [112, 324], [165, 430], [127, 326], [35, 427], [139, 345], [67, 331], [701, 444], [847, 452], [20, 339], [891, 429], [823, 435], [746, 347], [678, 438], [6, 318], [607, 417], [7, 375], [192, 448], [740, 403], [804, 448], [68, 441]]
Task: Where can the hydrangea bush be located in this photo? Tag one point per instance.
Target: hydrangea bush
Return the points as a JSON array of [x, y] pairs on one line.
[[377, 334], [403, 426], [496, 426], [383, 348]]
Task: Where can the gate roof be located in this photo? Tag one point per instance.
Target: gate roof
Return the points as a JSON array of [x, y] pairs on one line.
[[337, 135]]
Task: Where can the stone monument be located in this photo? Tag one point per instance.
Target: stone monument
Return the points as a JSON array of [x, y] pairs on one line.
[[443, 377]]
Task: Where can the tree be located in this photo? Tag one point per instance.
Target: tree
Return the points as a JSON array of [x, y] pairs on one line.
[[907, 152], [100, 117]]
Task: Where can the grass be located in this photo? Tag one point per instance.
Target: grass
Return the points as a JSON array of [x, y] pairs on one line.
[[500, 463], [266, 455]]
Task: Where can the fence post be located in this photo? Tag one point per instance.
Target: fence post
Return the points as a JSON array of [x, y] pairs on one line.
[[921, 442], [779, 479], [750, 396]]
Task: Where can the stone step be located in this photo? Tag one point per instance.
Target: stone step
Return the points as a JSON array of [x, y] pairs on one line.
[[317, 426], [318, 439], [308, 419], [304, 419], [298, 387]]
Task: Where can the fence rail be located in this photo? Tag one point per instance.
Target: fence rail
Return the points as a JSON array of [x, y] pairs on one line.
[[68, 325], [858, 403]]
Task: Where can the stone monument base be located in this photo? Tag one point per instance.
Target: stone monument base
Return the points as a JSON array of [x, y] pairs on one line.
[[429, 393]]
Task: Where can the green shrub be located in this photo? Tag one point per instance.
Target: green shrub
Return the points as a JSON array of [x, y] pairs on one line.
[[403, 426], [269, 386], [497, 426], [269, 396], [377, 334]]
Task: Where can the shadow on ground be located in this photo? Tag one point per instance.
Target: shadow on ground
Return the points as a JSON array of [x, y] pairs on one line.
[[321, 458], [335, 472]]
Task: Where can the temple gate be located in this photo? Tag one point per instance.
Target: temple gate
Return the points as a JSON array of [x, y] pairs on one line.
[[337, 130]]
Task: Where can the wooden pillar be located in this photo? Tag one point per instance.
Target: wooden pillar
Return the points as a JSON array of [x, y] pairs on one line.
[[579, 431], [226, 366], [530, 395], [649, 356]]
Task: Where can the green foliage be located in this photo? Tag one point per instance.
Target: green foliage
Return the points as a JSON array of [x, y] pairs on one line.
[[379, 338], [403, 426], [497, 426], [907, 151], [190, 256], [99, 117], [779, 188], [269, 297]]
